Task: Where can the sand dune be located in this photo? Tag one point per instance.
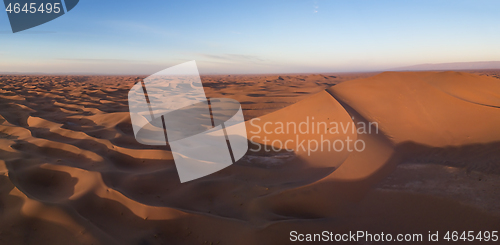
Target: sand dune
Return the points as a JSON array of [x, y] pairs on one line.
[[436, 109], [71, 171], [480, 65]]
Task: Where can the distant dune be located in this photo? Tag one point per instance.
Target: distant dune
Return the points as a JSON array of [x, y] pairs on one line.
[[483, 65]]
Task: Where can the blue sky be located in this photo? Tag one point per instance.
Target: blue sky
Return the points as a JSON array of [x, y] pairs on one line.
[[227, 37]]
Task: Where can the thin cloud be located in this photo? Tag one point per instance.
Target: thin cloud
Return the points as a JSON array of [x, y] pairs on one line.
[[95, 60], [235, 57], [132, 26]]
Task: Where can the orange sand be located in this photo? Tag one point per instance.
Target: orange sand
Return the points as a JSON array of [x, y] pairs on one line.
[[71, 171]]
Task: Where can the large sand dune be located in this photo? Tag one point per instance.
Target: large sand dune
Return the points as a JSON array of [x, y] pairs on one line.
[[71, 171]]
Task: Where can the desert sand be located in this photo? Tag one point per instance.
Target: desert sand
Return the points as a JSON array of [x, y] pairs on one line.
[[73, 173]]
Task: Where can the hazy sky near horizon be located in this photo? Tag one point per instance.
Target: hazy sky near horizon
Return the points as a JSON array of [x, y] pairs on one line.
[[285, 36]]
